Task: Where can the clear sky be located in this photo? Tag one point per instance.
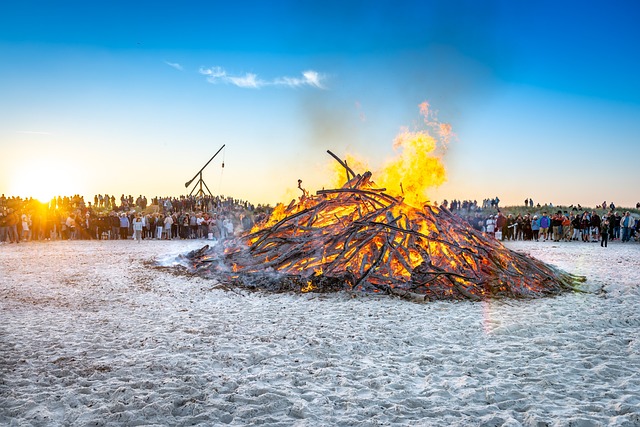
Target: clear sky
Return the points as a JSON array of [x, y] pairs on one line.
[[134, 97]]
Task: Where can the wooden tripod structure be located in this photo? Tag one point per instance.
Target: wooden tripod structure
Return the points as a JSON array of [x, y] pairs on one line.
[[200, 183]]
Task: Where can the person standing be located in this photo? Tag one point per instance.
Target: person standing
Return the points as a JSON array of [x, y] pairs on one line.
[[213, 227], [611, 225], [168, 222], [566, 227], [12, 226], [221, 228], [3, 225], [518, 230], [115, 224], [203, 225], [507, 230], [124, 226], [193, 226], [26, 231], [535, 228], [616, 225], [627, 223], [556, 226], [159, 224], [604, 233], [491, 226], [545, 222], [527, 233], [149, 224], [71, 226], [228, 224], [184, 225], [596, 222], [501, 220], [138, 226]]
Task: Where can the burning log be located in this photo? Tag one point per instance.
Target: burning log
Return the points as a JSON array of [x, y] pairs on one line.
[[359, 238]]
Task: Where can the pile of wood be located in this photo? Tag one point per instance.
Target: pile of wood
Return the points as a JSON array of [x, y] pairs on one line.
[[359, 238]]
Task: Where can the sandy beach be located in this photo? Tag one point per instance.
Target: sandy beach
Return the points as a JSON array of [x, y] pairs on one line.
[[92, 334]]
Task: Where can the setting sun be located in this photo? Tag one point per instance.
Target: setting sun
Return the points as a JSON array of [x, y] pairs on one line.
[[44, 180]]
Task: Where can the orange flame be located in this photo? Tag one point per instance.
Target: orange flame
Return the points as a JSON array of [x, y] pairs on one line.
[[308, 288], [339, 173], [417, 166]]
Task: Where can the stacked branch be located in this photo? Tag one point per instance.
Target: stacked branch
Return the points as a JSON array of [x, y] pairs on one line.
[[359, 238]]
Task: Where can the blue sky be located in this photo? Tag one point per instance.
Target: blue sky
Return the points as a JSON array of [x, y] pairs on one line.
[[134, 97]]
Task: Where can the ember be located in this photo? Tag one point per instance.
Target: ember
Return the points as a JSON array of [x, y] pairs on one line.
[[359, 238]]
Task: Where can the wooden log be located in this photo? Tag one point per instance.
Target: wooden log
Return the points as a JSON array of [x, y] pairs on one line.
[[343, 164]]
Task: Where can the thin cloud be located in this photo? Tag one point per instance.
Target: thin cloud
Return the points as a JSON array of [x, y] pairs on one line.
[[248, 80], [309, 78], [218, 75], [174, 65]]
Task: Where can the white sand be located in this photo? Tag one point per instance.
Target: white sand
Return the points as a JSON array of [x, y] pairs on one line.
[[91, 335]]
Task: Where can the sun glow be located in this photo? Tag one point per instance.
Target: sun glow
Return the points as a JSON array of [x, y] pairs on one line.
[[44, 180]]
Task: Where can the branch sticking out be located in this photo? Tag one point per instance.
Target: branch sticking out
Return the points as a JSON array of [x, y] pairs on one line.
[[344, 165]]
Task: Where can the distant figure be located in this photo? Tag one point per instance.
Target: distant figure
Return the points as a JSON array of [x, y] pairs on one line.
[[229, 226], [166, 229], [222, 230], [576, 224], [595, 224], [507, 229], [585, 225], [26, 232], [535, 227], [491, 226], [124, 226], [604, 233], [501, 222], [71, 226], [159, 226], [627, 223], [616, 225], [12, 226], [545, 222], [138, 225], [556, 226]]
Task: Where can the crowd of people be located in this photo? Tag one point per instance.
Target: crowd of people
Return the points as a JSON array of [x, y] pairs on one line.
[[166, 218], [217, 217], [574, 224]]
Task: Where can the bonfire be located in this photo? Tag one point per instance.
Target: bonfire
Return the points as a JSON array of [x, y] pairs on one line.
[[359, 238]]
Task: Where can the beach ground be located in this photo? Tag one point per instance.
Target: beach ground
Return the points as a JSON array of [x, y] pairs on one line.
[[91, 333]]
